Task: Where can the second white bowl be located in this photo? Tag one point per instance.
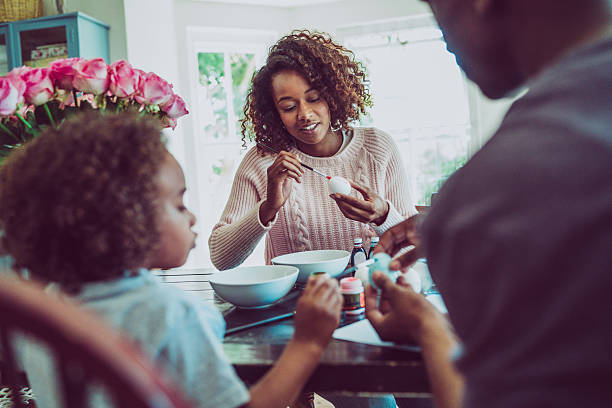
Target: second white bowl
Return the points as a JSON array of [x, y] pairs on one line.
[[332, 261]]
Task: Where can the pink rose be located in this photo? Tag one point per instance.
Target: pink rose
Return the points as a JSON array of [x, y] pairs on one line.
[[141, 77], [39, 87], [9, 97], [123, 78], [64, 70], [153, 90], [15, 77], [91, 76], [175, 107]]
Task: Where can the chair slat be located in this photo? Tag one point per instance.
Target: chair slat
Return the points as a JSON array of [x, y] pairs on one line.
[[10, 376]]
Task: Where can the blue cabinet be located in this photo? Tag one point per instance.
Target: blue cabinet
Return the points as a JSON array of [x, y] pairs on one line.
[[38, 41]]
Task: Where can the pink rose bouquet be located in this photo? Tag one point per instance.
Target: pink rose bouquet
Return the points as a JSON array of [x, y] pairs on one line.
[[34, 98]]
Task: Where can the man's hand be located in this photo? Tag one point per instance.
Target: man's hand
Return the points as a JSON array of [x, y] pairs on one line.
[[398, 237], [403, 315]]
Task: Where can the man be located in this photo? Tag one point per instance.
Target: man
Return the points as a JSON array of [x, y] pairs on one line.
[[519, 240]]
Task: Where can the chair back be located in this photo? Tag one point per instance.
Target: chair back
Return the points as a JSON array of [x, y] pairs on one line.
[[86, 351]]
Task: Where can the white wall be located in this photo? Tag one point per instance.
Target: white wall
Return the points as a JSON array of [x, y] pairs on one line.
[[210, 14], [152, 46], [324, 17], [108, 11]]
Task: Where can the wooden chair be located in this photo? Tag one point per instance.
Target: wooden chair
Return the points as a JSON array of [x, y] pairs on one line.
[[425, 208], [85, 349], [422, 208]]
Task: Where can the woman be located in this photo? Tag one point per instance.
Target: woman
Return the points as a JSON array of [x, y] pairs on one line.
[[301, 103]]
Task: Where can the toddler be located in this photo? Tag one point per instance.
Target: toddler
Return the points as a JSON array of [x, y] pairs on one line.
[[93, 207]]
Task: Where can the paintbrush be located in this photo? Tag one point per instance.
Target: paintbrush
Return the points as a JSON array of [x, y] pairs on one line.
[[259, 323], [349, 271], [303, 165]]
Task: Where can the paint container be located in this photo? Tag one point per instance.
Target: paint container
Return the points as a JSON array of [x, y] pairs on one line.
[[353, 295]]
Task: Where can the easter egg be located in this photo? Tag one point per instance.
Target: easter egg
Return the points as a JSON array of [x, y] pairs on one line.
[[339, 185], [381, 263]]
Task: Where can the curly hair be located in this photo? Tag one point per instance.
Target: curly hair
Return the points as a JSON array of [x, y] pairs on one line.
[[78, 204], [327, 66]]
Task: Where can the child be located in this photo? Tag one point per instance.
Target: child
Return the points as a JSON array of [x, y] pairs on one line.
[[93, 206]]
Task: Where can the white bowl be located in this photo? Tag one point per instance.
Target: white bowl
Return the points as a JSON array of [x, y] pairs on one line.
[[332, 261], [254, 286]]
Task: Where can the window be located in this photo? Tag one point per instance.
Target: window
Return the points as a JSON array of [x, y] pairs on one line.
[[223, 83], [420, 98], [223, 62]]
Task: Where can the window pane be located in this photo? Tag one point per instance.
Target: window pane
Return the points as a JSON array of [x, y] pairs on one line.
[[212, 95], [243, 66], [224, 80]]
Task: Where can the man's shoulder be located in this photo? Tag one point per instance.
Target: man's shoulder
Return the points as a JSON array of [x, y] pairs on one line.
[[570, 97]]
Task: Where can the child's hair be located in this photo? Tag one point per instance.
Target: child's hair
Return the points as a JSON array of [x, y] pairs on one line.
[[327, 66], [78, 204]]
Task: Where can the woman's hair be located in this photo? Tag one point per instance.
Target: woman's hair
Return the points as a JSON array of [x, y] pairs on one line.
[[328, 67], [78, 204]]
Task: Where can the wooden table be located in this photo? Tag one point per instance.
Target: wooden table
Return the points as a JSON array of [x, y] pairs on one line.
[[346, 367]]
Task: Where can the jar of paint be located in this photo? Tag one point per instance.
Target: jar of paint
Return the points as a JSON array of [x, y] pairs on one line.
[[353, 295]]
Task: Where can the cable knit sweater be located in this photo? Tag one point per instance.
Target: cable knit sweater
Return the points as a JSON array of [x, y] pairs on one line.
[[310, 219]]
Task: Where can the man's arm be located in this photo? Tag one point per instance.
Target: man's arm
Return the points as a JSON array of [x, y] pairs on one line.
[[405, 315]]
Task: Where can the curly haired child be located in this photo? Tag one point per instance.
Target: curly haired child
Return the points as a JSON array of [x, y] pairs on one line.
[[96, 204], [301, 103]]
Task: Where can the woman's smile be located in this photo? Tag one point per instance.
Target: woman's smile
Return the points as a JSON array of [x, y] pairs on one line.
[[310, 128]]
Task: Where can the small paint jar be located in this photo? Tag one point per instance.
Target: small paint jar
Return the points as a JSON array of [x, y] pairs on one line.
[[353, 295]]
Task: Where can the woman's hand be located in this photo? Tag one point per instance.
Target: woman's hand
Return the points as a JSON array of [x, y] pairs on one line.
[[285, 167], [373, 208]]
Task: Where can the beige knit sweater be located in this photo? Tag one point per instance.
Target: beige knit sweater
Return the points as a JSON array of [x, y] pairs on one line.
[[310, 219]]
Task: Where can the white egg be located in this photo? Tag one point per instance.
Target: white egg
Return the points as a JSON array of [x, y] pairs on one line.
[[339, 185], [412, 277]]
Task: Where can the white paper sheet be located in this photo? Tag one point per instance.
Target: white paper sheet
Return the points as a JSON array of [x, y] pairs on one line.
[[363, 332]]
